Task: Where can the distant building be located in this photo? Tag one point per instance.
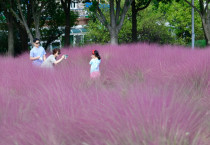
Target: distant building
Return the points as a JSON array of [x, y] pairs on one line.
[[77, 32]]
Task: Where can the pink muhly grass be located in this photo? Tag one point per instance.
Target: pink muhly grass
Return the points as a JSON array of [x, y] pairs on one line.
[[147, 94]]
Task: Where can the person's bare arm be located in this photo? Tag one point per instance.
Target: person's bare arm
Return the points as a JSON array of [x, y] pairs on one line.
[[34, 58], [56, 62], [44, 57]]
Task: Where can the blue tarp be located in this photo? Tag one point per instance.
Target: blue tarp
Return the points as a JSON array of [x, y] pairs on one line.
[[88, 4]]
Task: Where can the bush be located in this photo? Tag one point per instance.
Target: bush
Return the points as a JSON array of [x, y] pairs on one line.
[[199, 43]]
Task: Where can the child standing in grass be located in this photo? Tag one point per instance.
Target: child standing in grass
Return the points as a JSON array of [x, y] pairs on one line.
[[94, 64]]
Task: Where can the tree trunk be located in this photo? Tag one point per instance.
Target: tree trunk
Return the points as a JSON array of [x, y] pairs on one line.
[[204, 13], [10, 35], [208, 39], [29, 34], [116, 20], [36, 23], [134, 22], [114, 36], [22, 31], [67, 30], [113, 29], [23, 38], [22, 20], [66, 7], [206, 28]]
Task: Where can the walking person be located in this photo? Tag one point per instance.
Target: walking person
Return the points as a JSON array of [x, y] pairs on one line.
[[51, 61], [94, 64], [37, 53]]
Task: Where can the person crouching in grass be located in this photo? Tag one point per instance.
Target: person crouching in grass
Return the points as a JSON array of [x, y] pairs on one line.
[[51, 61]]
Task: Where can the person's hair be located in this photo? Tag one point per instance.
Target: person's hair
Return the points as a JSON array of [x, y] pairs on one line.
[[96, 53], [56, 50], [35, 39]]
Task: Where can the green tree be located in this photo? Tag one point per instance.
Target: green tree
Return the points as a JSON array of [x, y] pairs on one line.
[[66, 8], [10, 24], [38, 7], [97, 32], [53, 21], [43, 19], [203, 9], [137, 5], [117, 12], [151, 28], [70, 19], [180, 22]]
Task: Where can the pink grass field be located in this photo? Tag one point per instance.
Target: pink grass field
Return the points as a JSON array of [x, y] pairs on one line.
[[146, 95]]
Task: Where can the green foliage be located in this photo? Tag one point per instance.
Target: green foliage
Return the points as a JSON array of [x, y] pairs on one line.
[[2, 17], [150, 27], [3, 41], [125, 34], [94, 6], [199, 43], [53, 19], [97, 33], [54, 16], [2, 21], [128, 3], [179, 17], [102, 1], [170, 22]]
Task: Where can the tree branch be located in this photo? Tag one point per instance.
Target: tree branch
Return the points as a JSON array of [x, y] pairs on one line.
[[144, 6], [21, 14], [64, 5], [117, 9], [101, 18], [68, 4], [16, 15], [194, 8], [43, 4], [112, 14], [125, 9], [207, 5], [33, 10], [23, 20]]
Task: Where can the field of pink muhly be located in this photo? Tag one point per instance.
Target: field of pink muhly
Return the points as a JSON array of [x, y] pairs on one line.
[[146, 95]]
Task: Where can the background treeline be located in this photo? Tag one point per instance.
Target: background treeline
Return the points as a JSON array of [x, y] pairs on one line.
[[113, 21], [164, 23], [23, 20]]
